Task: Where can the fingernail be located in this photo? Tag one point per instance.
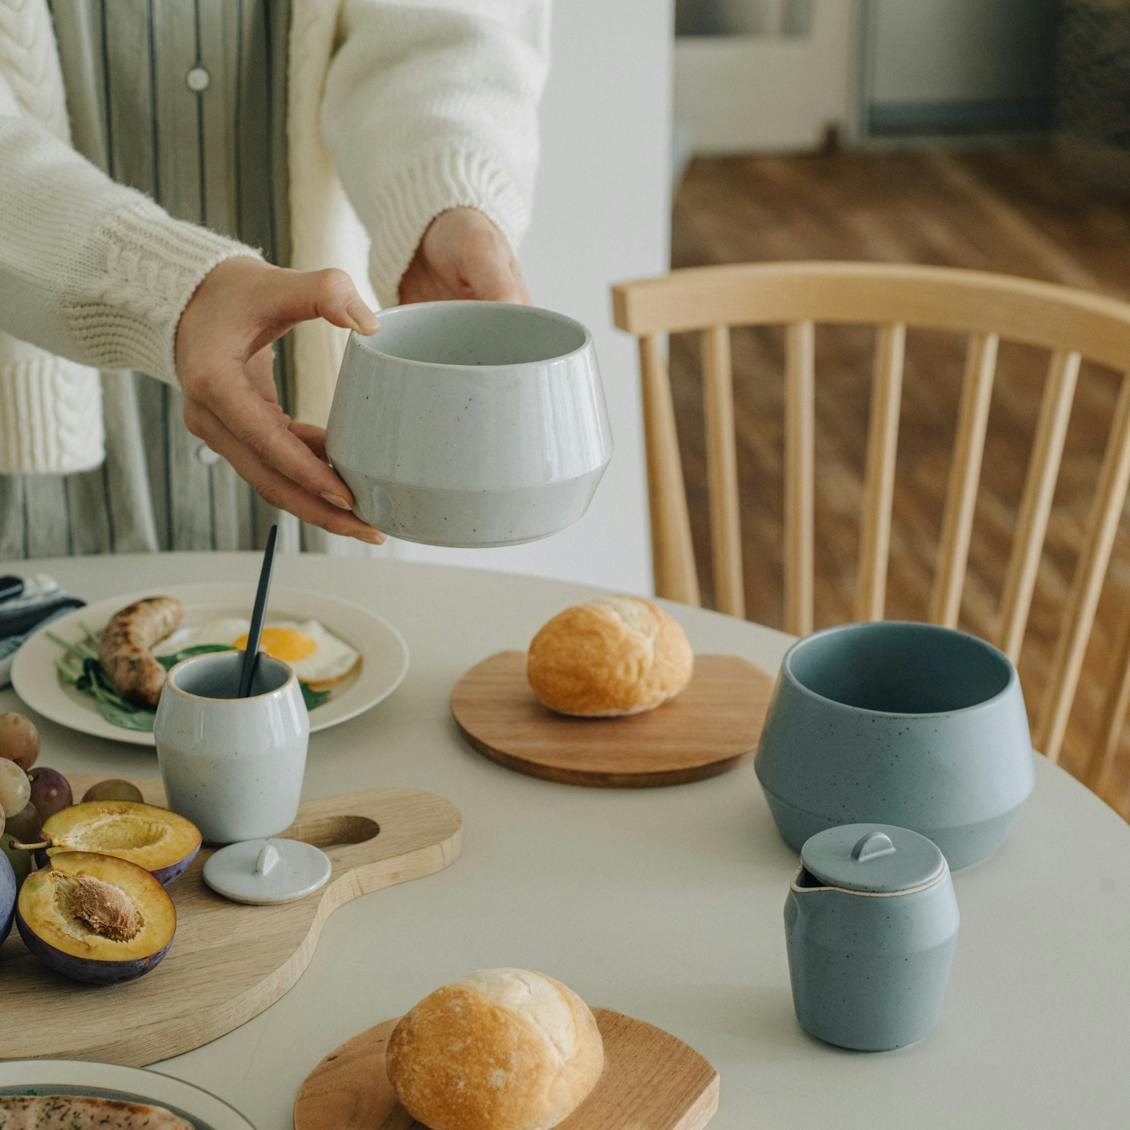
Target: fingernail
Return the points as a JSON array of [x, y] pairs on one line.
[[337, 500], [363, 319], [373, 537]]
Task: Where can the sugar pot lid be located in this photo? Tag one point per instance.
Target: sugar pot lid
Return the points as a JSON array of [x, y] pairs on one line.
[[872, 858]]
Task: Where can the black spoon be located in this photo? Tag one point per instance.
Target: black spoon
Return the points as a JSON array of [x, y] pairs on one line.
[[251, 652]]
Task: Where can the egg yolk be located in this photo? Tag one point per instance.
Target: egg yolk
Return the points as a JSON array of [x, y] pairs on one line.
[[282, 643]]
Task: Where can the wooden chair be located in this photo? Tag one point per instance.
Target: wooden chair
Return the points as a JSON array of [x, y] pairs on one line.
[[1070, 324]]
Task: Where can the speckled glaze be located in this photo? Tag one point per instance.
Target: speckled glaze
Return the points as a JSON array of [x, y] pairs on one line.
[[470, 423], [233, 766], [898, 723], [869, 970]]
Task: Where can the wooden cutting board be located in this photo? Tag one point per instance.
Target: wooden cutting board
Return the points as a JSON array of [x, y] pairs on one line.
[[228, 962], [651, 1081], [704, 731]]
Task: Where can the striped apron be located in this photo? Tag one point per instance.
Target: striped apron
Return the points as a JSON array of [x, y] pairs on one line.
[[184, 100]]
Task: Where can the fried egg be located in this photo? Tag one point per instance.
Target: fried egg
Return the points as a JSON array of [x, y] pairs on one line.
[[316, 656]]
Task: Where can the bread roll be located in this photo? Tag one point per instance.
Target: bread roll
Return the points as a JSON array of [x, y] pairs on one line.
[[502, 1049], [615, 655]]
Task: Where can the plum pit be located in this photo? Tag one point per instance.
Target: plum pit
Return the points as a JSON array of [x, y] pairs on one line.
[[91, 906]]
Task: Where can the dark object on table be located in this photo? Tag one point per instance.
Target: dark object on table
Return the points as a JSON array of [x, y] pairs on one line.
[[26, 603], [254, 635], [22, 622], [10, 587]]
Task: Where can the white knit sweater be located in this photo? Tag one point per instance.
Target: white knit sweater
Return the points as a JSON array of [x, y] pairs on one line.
[[395, 113]]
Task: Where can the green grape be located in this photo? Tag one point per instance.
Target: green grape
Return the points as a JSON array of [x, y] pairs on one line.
[[19, 740], [113, 790], [20, 860], [15, 788], [26, 825]]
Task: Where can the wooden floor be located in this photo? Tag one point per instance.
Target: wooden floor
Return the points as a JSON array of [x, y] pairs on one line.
[[1011, 210]]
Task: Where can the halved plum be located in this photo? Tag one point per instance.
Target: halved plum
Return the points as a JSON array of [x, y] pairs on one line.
[[95, 918], [154, 838]]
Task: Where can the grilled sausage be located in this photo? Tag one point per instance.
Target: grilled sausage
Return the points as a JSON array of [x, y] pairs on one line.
[[124, 651], [75, 1112]]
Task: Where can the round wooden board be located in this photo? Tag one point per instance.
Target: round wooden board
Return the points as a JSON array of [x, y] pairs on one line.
[[650, 1080], [700, 733]]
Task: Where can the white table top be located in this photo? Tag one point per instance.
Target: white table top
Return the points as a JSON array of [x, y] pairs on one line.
[[663, 903]]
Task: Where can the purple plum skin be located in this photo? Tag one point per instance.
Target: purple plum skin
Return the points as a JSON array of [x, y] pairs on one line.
[[165, 875], [82, 968], [7, 897], [50, 790]]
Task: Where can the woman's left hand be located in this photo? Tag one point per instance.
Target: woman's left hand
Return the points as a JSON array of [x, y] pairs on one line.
[[463, 255]]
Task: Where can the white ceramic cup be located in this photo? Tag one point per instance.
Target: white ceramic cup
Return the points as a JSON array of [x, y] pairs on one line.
[[233, 766], [470, 423]]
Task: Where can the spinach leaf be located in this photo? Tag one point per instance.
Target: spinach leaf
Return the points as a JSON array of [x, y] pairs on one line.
[[79, 666], [111, 705], [313, 698]]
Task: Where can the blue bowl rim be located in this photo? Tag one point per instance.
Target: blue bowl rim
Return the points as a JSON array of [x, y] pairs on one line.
[[788, 674]]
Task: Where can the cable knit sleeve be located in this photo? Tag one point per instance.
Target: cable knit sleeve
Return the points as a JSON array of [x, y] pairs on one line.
[[89, 269], [431, 106]]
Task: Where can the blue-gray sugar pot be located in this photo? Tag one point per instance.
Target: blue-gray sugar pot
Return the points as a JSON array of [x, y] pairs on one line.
[[870, 925]]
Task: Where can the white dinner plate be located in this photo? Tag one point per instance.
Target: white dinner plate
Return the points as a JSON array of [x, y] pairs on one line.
[[131, 1084], [384, 654]]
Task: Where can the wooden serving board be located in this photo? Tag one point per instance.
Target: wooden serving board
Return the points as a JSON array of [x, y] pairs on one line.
[[651, 1081], [228, 962], [704, 731]]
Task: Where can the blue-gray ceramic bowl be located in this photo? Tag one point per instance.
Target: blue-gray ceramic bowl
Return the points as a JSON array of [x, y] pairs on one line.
[[894, 722]]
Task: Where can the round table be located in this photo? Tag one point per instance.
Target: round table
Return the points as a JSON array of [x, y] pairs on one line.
[[663, 903]]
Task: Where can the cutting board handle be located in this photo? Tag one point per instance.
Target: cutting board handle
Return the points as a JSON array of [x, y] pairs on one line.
[[228, 961], [341, 835]]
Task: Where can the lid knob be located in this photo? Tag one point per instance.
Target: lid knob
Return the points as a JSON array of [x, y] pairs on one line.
[[871, 846], [872, 858], [267, 859]]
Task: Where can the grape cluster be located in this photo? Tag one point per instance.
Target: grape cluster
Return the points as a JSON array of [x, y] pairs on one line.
[[30, 793]]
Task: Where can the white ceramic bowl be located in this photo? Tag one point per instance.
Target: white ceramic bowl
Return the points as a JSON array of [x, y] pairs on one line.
[[470, 423]]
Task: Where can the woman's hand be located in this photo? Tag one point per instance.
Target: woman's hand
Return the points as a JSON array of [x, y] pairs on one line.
[[463, 255], [225, 362]]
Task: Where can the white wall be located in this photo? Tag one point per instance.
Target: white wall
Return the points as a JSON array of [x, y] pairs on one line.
[[960, 50], [602, 214], [747, 93]]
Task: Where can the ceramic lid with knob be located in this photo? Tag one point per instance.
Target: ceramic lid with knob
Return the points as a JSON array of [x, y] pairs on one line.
[[873, 858]]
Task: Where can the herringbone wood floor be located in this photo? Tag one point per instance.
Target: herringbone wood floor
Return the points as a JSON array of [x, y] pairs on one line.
[[1013, 211]]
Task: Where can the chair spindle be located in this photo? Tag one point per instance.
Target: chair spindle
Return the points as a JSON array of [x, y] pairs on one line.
[[882, 449], [1036, 501], [722, 472], [965, 477], [1079, 617], [800, 414], [671, 546]]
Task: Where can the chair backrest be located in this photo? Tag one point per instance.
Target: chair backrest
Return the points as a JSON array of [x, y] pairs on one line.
[[1070, 324]]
